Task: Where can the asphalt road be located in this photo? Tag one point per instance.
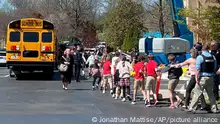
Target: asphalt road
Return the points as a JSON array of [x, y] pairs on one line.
[[35, 100]]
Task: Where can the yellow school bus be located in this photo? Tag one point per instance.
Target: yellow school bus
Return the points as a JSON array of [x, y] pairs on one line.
[[30, 46]]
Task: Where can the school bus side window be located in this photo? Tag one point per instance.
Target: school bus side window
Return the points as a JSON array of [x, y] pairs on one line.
[[14, 36], [47, 37], [31, 37]]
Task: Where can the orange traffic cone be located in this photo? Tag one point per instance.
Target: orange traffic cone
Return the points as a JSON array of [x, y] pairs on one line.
[[158, 84]]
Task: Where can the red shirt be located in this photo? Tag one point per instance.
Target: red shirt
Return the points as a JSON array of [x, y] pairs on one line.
[[107, 67], [150, 68], [137, 68]]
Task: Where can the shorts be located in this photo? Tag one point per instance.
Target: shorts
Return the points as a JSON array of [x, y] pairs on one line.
[[124, 82], [105, 77], [108, 79], [151, 83], [139, 84], [172, 84]]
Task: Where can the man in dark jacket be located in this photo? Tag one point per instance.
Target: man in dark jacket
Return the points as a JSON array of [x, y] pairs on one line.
[[78, 63], [215, 52]]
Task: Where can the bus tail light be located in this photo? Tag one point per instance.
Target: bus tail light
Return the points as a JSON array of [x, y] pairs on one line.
[[46, 48], [15, 48]]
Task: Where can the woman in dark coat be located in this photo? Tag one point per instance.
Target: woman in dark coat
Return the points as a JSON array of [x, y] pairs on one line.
[[67, 76]]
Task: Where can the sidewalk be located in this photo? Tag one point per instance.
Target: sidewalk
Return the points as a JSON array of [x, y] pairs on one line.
[[181, 91]]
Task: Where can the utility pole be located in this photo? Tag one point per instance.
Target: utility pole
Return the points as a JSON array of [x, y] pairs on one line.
[[161, 20]]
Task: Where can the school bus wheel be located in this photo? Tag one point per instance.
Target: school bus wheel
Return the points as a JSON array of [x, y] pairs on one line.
[[18, 76], [17, 73], [49, 73], [11, 74]]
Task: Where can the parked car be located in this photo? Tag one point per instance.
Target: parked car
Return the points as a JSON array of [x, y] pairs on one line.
[[2, 58], [124, 54], [90, 50]]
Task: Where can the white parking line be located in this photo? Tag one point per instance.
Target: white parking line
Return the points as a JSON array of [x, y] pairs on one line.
[[7, 75], [4, 76]]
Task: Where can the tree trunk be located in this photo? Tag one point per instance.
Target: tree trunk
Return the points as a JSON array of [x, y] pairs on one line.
[[161, 21]]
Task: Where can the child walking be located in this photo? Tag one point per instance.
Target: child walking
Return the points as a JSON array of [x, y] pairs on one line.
[[124, 68], [107, 77], [96, 74], [139, 79], [150, 69]]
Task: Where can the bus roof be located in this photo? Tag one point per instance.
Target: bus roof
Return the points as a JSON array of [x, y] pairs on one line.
[[30, 23], [28, 19]]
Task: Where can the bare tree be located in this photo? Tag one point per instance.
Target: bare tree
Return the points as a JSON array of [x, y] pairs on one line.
[[5, 18], [24, 8], [158, 16], [80, 15], [73, 19], [3, 23]]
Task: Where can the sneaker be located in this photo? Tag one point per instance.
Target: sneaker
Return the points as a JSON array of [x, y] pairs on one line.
[[145, 102], [97, 86], [113, 95], [103, 91], [184, 106], [129, 98], [93, 87], [133, 103], [65, 88], [155, 103], [120, 97], [172, 106], [111, 91], [203, 109], [116, 97], [214, 109], [191, 111], [123, 100], [177, 104], [148, 105]]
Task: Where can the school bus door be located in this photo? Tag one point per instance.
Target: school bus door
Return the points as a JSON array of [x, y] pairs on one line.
[[30, 46]]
